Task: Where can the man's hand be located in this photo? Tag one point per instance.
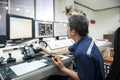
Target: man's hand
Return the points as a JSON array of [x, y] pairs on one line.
[[58, 62], [43, 50]]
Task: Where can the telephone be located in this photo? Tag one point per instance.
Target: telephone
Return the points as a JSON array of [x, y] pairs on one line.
[[36, 45], [28, 52]]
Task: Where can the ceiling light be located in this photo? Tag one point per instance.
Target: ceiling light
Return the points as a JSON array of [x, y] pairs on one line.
[[0, 16], [6, 7], [17, 9]]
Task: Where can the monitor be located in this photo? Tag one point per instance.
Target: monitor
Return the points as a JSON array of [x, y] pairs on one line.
[[43, 29], [60, 29], [19, 27]]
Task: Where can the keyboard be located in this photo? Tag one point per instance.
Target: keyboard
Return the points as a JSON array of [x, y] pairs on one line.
[[27, 67], [60, 44]]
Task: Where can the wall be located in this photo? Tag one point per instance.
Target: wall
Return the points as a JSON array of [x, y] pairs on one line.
[[106, 21], [60, 13]]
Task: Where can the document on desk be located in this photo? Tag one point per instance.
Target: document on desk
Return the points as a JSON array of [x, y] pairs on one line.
[[26, 67]]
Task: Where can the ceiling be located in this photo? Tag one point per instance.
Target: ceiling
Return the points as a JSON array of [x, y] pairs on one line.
[[99, 4]]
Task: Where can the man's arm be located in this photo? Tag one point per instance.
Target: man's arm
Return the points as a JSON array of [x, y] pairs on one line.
[[71, 73], [60, 51], [58, 62], [56, 51]]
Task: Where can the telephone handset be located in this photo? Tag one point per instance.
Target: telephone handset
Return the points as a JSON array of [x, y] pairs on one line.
[[1, 60], [28, 52], [37, 44], [43, 44]]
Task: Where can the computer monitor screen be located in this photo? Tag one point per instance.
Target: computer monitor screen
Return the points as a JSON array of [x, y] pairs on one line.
[[19, 27], [60, 29], [43, 29]]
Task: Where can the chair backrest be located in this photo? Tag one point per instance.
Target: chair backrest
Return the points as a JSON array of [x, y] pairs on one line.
[[114, 73], [117, 43]]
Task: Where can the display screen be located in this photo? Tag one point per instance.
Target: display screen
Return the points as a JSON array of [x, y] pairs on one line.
[[19, 27], [43, 29], [60, 29]]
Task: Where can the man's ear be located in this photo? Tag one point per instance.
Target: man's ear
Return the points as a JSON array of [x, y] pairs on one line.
[[73, 32]]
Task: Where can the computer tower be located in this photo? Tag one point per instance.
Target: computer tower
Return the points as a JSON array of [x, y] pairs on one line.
[[2, 41]]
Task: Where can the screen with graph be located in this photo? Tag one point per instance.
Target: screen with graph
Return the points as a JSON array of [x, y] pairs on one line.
[[19, 27], [43, 29], [60, 29]]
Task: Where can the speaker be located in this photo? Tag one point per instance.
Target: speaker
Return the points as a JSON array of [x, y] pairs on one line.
[[2, 41]]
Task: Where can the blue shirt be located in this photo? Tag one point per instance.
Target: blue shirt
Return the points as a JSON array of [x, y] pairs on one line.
[[88, 66]]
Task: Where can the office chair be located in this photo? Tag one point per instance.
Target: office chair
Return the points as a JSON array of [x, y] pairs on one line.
[[114, 73], [108, 60]]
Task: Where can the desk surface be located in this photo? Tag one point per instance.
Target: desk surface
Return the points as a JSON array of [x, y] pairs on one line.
[[40, 73], [102, 45]]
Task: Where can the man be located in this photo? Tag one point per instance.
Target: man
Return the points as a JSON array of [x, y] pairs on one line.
[[87, 57]]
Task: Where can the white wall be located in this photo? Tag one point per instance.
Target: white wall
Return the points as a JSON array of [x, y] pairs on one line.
[[107, 21], [60, 14]]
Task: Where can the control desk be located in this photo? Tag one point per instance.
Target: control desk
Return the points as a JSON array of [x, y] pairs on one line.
[[37, 67], [33, 69], [24, 65]]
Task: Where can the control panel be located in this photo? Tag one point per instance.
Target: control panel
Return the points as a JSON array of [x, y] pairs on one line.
[[30, 55], [13, 70]]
